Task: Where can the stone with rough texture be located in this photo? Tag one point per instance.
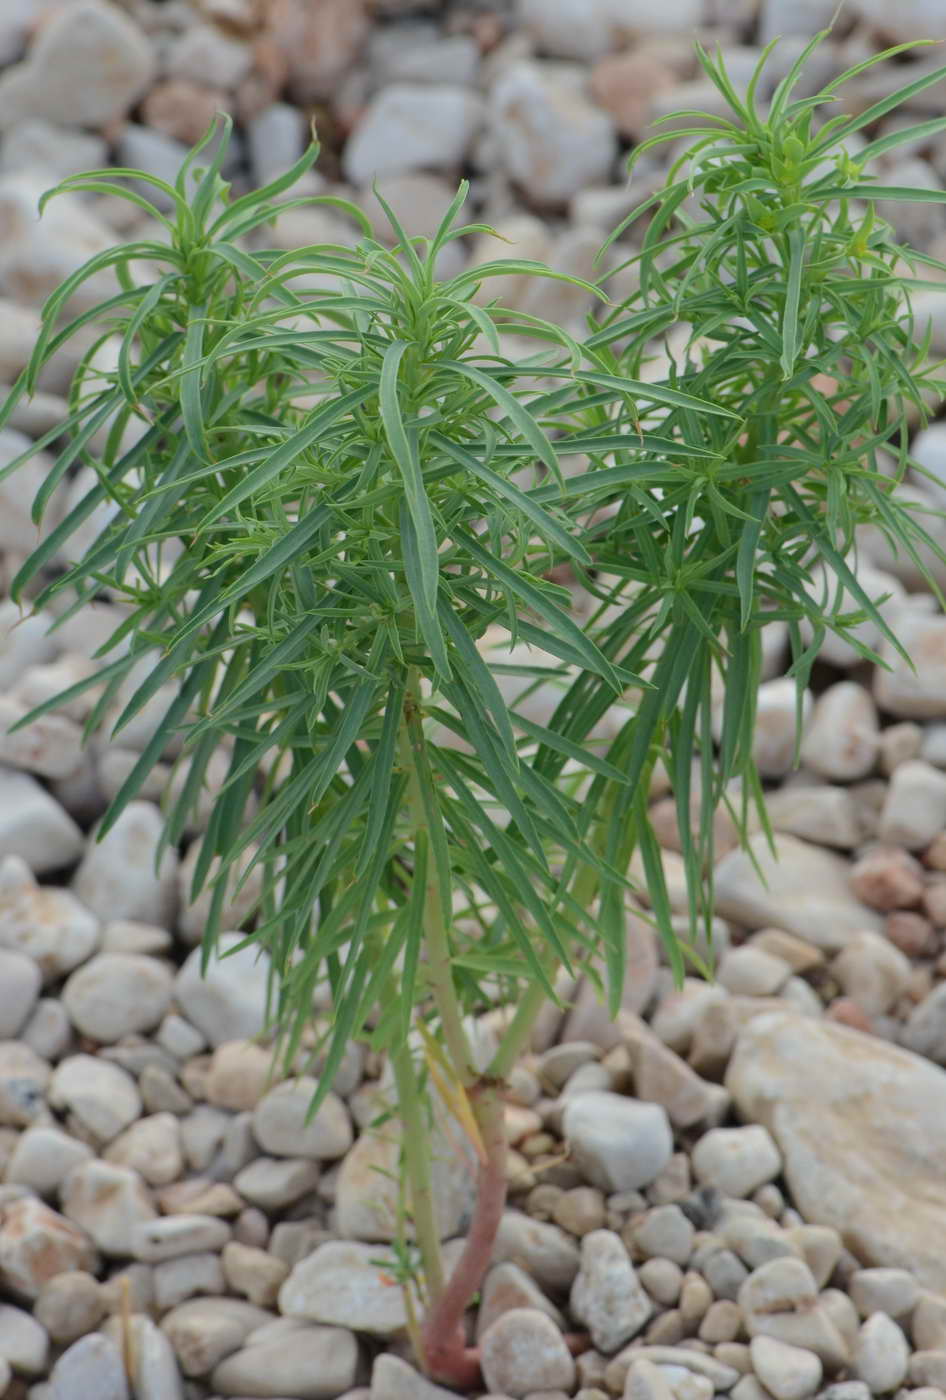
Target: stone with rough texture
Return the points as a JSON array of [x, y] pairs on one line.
[[20, 981], [587, 29], [272, 1183], [626, 85], [43, 1157], [524, 1352], [544, 1251], [619, 1143], [367, 1193], [275, 140], [915, 807], [117, 878], [881, 1354], [117, 994], [25, 643], [507, 1286], [282, 1125], [787, 1372], [70, 1305], [103, 1096], [806, 892], [313, 1363], [204, 54], [342, 1284], [842, 736], [607, 1295], [240, 1073], [203, 1331], [780, 1299], [24, 1342], [737, 1161], [891, 1291], [645, 1381], [824, 814], [36, 253], [183, 110], [752, 972], [917, 691], [928, 1323], [253, 1273], [393, 1379], [550, 139], [168, 1237], [861, 1126], [413, 126], [872, 972], [681, 1366], [87, 67], [152, 1146], [37, 1243], [24, 1078], [45, 923], [887, 878], [154, 1370], [33, 826], [192, 918], [92, 1366], [50, 746], [773, 742], [230, 1002], [908, 19], [661, 1077], [317, 43], [109, 1203], [925, 1030], [588, 1017]]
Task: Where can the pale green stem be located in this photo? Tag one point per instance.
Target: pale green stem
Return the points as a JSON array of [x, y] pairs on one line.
[[515, 1038], [436, 939], [415, 1144]]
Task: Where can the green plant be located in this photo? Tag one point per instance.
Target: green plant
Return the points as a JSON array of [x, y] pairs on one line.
[[367, 483]]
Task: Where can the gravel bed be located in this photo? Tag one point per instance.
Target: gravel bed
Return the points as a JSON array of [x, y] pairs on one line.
[[734, 1189]]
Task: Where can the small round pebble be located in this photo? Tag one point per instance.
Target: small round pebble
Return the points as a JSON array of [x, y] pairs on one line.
[[619, 1143], [70, 1305], [787, 1372], [580, 1211], [523, 1351], [665, 1233], [663, 1280], [891, 1291], [881, 1354], [737, 1160], [722, 1322], [117, 994]]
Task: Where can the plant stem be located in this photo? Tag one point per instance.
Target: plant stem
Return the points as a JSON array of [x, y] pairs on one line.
[[415, 1142], [516, 1035], [515, 1038], [425, 817], [445, 1351]]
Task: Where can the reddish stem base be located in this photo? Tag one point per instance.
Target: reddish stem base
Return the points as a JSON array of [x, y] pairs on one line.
[[447, 1357]]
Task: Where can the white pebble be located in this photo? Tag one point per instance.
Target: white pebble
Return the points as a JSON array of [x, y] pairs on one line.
[[737, 1160]]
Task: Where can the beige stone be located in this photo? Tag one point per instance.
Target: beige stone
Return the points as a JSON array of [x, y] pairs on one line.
[[861, 1126], [806, 892], [36, 1243]]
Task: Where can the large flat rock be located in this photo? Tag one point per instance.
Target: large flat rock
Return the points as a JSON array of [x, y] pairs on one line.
[[861, 1126], [804, 890]]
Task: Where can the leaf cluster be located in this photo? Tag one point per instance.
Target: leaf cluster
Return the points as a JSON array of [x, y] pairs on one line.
[[335, 475]]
